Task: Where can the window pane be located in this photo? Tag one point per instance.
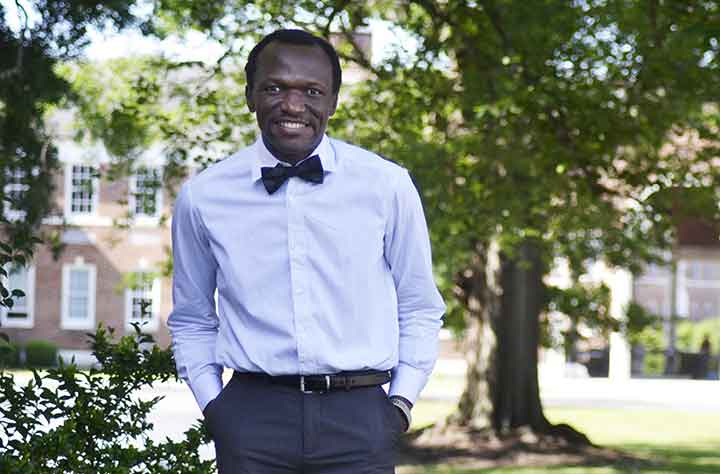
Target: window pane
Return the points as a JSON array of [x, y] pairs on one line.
[[78, 308], [18, 279], [15, 188], [141, 297], [711, 271], [79, 293], [79, 282], [82, 189], [147, 184]]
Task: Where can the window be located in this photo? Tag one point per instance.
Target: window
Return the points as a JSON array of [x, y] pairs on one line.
[[145, 193], [81, 187], [78, 296], [142, 300], [14, 191], [21, 314], [703, 271]]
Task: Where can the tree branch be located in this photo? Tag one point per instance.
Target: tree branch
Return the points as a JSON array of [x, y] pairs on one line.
[[338, 8], [21, 43], [494, 17]]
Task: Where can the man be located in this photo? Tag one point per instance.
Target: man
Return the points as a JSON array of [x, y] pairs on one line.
[[319, 254]]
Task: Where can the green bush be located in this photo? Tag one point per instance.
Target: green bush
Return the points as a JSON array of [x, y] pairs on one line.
[[9, 353], [40, 354], [92, 421], [654, 363], [691, 333]]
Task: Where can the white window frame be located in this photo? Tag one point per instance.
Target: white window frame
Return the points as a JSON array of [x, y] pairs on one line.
[[66, 322], [142, 218], [152, 324], [11, 185], [29, 321], [75, 216], [685, 283]]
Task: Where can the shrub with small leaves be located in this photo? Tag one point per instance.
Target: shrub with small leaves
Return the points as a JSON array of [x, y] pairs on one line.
[[73, 421], [41, 354], [9, 352]]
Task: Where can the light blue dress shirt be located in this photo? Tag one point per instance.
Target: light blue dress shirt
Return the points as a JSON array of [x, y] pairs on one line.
[[313, 279]]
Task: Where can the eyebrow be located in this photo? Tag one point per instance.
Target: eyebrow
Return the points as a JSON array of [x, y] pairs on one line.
[[305, 81]]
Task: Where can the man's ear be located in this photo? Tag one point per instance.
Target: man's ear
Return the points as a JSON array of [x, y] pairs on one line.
[[249, 99]]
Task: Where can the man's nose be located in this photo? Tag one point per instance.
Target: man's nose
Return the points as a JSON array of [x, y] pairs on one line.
[[294, 101]]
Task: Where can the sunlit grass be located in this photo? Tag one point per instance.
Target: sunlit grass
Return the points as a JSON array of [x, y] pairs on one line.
[[665, 442]]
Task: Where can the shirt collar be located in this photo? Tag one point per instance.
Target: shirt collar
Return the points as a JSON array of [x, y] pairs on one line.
[[264, 158]]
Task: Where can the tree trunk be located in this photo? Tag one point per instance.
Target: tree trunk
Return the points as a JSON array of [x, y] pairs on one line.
[[480, 285], [516, 393], [504, 297]]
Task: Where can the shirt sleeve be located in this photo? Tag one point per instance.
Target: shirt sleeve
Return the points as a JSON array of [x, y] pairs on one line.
[[193, 321], [420, 306]]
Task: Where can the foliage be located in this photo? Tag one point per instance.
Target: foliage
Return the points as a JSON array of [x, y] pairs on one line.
[[645, 334], [95, 421], [554, 125], [9, 353], [641, 327], [48, 32], [690, 335], [40, 353], [586, 307], [559, 125]]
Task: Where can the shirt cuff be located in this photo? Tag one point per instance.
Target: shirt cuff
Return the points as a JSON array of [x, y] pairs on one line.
[[407, 382], [205, 388]]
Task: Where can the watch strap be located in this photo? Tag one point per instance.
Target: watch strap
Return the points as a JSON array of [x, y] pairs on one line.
[[404, 407]]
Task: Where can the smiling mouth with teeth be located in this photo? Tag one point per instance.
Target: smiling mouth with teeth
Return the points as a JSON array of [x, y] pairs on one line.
[[293, 125]]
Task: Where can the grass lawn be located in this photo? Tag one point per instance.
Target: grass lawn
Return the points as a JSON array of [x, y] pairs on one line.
[[667, 442]]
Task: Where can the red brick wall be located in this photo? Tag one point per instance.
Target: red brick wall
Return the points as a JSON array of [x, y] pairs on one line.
[[113, 251]]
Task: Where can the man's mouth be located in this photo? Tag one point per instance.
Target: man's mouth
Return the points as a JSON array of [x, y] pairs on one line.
[[292, 124]]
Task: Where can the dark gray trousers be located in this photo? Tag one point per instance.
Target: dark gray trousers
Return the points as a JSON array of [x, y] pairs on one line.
[[263, 428]]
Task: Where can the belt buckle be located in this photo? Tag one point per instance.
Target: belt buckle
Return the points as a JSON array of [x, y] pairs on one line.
[[303, 390]]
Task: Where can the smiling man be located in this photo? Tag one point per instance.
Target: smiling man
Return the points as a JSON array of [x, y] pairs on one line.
[[318, 254]]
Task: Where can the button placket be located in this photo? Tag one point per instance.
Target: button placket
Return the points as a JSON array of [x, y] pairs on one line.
[[298, 279]]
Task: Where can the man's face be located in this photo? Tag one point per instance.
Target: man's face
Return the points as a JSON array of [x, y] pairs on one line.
[[292, 98]]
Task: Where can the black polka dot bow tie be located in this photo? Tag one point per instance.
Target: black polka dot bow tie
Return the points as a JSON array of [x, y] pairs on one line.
[[310, 170]]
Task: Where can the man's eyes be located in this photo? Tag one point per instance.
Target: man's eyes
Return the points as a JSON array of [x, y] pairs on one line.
[[311, 91]]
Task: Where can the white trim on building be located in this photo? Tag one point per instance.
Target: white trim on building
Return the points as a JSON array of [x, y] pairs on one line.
[[78, 295], [81, 205], [15, 187], [13, 317], [147, 288], [145, 182]]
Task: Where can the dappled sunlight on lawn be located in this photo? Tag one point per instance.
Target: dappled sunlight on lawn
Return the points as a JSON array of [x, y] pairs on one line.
[[658, 442]]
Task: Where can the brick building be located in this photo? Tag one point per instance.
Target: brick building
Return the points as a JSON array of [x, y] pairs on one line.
[[696, 280], [114, 239]]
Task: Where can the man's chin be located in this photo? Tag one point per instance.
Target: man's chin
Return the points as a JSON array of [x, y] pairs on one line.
[[291, 150]]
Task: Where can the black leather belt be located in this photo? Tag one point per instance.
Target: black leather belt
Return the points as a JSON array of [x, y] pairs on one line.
[[322, 383]]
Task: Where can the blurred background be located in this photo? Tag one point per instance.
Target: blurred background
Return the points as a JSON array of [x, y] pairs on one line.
[[566, 153]]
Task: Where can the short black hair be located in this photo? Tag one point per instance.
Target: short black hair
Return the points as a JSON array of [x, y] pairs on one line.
[[294, 37]]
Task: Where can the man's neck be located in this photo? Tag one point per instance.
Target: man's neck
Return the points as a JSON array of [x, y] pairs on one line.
[[287, 158]]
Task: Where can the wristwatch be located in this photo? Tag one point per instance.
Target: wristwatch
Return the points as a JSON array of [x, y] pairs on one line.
[[404, 405]]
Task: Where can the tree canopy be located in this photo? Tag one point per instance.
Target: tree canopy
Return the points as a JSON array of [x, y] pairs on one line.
[[538, 130]]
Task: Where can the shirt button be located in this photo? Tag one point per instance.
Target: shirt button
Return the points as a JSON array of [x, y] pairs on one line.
[[298, 290]]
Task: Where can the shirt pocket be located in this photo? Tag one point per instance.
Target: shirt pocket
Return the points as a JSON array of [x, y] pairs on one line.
[[354, 243]]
